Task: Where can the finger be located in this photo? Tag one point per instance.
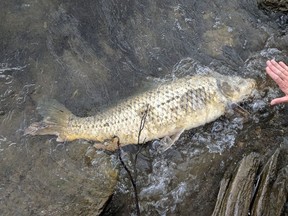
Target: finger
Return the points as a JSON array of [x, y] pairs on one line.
[[274, 76], [283, 84], [279, 100], [283, 65], [279, 67], [275, 70]]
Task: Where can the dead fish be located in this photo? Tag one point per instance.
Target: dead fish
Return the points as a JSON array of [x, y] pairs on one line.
[[165, 111]]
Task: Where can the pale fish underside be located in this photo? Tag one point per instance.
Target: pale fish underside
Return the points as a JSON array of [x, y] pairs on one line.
[[164, 111]]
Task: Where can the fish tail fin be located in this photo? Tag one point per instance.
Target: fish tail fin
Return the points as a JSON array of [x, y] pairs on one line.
[[55, 120]]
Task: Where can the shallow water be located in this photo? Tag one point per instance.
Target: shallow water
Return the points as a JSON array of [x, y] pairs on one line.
[[90, 54]]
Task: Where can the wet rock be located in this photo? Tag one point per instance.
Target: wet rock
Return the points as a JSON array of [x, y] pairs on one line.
[[279, 193], [278, 5], [55, 182], [236, 193], [263, 181], [89, 54], [249, 193]]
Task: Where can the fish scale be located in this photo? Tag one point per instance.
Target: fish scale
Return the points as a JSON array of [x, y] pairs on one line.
[[169, 109]]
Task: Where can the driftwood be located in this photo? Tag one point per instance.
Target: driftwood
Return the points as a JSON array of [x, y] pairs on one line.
[[250, 192]]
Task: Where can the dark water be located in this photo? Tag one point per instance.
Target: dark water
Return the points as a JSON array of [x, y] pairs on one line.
[[89, 54]]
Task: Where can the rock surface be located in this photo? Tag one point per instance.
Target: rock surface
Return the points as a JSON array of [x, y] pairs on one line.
[[90, 54], [276, 5], [250, 191]]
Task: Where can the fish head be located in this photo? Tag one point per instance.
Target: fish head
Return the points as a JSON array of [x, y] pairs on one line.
[[235, 88]]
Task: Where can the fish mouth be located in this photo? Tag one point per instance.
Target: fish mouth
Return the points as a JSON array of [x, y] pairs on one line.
[[245, 90]]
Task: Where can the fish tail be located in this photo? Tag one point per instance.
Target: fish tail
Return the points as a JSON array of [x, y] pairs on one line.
[[55, 120]]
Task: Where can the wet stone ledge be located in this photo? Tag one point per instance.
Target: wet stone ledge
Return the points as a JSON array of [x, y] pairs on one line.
[[255, 189], [276, 5]]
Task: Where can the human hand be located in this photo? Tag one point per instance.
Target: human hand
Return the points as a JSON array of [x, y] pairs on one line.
[[279, 73]]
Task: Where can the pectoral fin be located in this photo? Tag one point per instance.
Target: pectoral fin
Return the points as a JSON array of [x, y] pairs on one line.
[[109, 145], [167, 141]]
